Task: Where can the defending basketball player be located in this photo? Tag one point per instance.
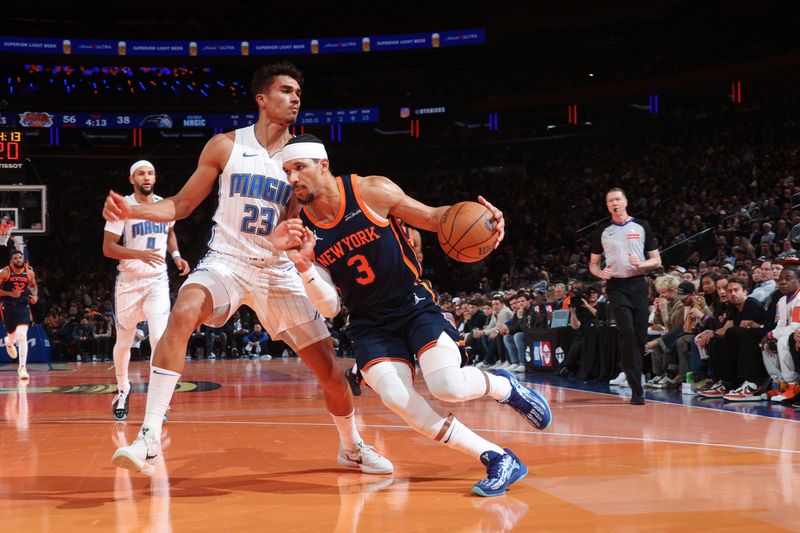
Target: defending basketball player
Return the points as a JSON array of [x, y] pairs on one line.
[[18, 292], [141, 291], [352, 231], [245, 264]]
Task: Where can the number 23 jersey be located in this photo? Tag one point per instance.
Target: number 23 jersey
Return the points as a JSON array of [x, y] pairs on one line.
[[253, 194]]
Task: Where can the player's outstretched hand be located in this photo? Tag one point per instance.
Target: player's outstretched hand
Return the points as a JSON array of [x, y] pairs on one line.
[[183, 266], [497, 217], [303, 254], [116, 208], [288, 234], [152, 257]]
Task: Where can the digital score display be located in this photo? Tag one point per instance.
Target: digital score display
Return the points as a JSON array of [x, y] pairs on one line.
[[224, 121], [10, 145]]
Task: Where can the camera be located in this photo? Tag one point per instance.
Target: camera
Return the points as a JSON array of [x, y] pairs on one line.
[[577, 296]]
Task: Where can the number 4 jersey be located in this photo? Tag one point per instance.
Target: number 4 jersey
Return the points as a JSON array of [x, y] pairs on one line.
[[253, 193], [141, 235], [369, 257]]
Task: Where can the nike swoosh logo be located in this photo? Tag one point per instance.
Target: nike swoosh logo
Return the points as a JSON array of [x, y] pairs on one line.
[[148, 457], [249, 155], [162, 373]]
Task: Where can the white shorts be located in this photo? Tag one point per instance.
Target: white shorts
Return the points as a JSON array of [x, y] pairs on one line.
[[138, 298], [275, 293]]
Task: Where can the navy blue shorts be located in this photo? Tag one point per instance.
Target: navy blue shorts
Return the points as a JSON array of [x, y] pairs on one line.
[[399, 332], [16, 315]]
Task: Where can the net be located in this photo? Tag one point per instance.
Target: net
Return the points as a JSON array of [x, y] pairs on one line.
[[5, 231]]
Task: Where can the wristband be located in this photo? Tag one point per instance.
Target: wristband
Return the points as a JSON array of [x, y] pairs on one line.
[[176, 254]]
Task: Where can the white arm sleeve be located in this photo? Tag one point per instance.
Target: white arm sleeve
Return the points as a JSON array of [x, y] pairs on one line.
[[321, 291]]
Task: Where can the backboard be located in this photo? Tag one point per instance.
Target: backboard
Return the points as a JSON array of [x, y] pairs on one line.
[[26, 207]]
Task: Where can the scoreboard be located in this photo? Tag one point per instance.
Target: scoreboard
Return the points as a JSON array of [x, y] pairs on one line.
[[10, 145], [224, 121], [12, 153]]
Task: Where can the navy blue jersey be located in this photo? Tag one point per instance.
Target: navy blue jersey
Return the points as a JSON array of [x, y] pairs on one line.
[[17, 281], [370, 258]]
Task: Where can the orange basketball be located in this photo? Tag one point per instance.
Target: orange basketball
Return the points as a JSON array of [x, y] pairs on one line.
[[466, 232]]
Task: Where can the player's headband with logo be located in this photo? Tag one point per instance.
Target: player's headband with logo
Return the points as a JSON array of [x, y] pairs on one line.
[[308, 150], [142, 163]]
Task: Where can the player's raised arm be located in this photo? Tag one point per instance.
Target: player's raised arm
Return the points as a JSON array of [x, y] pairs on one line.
[[214, 156], [387, 198]]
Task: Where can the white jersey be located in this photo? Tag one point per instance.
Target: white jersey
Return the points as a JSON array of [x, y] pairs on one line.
[[787, 315], [253, 193], [141, 235]]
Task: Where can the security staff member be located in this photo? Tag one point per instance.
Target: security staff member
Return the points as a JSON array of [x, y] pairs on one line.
[[630, 250]]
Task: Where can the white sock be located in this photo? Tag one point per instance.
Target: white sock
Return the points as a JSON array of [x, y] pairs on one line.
[[348, 432], [22, 344], [159, 394], [499, 387], [459, 437]]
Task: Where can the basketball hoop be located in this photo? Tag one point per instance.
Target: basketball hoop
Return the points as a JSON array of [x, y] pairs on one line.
[[5, 231]]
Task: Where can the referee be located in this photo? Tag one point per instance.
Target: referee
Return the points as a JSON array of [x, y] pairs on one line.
[[630, 250]]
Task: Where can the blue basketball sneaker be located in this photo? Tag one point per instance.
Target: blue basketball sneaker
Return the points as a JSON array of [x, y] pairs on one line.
[[501, 471], [527, 402]]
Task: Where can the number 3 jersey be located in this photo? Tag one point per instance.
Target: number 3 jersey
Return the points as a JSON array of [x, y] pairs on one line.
[[369, 257], [253, 193], [141, 235]]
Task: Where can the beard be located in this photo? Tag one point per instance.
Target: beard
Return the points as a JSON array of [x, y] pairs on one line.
[[308, 200], [144, 192]]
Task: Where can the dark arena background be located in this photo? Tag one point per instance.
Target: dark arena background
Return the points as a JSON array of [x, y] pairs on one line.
[[691, 107]]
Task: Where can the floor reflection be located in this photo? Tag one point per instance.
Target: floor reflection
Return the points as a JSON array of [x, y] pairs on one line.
[[126, 505]]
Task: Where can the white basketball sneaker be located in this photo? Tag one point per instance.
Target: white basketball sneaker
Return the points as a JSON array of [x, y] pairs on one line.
[[141, 455], [620, 380], [366, 458], [22, 373]]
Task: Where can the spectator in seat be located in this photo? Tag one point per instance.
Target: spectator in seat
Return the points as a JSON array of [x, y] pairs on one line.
[[492, 345], [514, 331], [215, 339], [103, 331], [738, 358], [476, 321], [776, 343], [255, 343], [668, 321], [83, 340], [764, 283]]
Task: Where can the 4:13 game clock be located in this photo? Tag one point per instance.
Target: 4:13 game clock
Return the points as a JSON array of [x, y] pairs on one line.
[[10, 145]]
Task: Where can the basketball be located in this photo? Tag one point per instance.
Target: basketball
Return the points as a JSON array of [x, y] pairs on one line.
[[466, 232]]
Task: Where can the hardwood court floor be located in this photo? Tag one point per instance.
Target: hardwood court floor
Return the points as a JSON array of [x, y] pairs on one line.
[[249, 447]]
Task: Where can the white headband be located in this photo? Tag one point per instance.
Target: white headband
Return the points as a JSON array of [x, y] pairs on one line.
[[141, 163], [309, 150]]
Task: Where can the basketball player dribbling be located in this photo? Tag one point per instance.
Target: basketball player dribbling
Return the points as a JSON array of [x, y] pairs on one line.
[[18, 291], [141, 291], [245, 264], [353, 235]]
